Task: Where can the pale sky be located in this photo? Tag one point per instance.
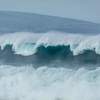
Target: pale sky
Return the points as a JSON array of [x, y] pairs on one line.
[[78, 9]]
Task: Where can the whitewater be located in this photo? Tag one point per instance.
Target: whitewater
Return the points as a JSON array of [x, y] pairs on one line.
[[49, 66]]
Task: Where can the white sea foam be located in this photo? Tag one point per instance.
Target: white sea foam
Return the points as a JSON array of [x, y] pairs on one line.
[[78, 42], [43, 83]]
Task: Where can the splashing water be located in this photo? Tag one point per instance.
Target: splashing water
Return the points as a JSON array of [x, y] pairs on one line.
[[49, 66]]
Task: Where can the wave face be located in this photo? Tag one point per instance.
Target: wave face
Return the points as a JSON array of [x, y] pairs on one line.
[[49, 54], [49, 66]]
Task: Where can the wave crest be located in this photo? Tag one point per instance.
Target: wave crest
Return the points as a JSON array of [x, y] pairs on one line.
[[27, 43]]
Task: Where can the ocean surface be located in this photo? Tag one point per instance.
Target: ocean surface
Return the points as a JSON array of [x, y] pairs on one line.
[[49, 66]]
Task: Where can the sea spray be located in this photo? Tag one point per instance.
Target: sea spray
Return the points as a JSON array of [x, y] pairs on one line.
[[43, 83]]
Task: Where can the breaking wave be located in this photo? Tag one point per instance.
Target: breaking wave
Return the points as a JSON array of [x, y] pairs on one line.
[[49, 47]]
